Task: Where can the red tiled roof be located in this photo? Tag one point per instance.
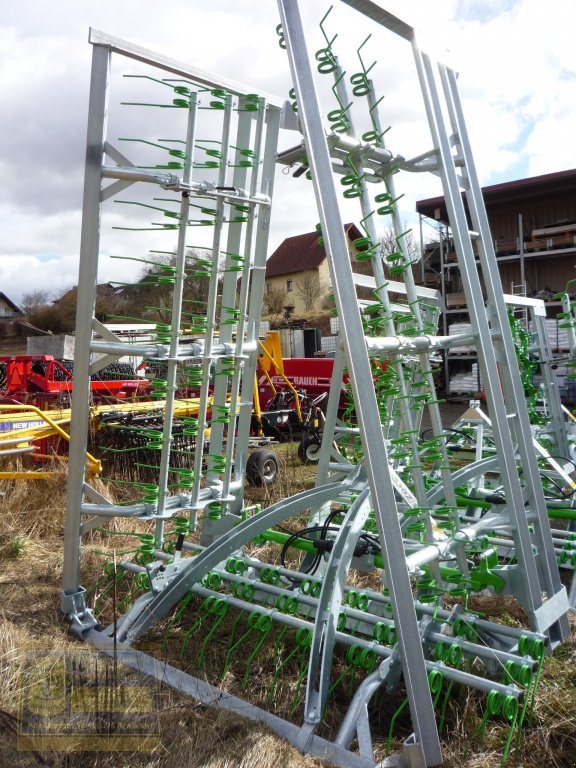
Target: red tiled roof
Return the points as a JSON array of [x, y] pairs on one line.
[[301, 252]]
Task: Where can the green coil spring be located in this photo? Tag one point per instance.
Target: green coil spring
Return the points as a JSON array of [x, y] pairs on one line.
[[180, 527], [280, 33], [238, 262], [163, 333], [217, 463], [221, 414], [252, 103], [227, 366]]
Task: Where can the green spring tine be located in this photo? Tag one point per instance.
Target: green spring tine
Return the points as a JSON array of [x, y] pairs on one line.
[[212, 580], [303, 671], [366, 661], [201, 222], [218, 608], [276, 665], [163, 333], [145, 552], [510, 713], [232, 634], [263, 625], [447, 697], [528, 699], [142, 581], [537, 651], [351, 656], [176, 619], [159, 388], [311, 587], [339, 124], [234, 645], [435, 681], [179, 521], [493, 707], [326, 61], [139, 587], [227, 366], [193, 379], [303, 642], [393, 719], [185, 480], [202, 614], [107, 571], [213, 510], [360, 83], [233, 316]]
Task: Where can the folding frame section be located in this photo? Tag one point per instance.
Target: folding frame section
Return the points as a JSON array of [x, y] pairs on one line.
[[388, 501]]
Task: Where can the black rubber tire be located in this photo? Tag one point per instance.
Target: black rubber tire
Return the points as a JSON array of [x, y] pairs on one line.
[[309, 449], [262, 468]]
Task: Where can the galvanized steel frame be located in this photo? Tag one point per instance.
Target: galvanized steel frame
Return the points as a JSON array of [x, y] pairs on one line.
[[380, 484]]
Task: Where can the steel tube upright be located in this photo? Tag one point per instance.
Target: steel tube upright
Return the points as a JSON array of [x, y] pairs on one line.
[[86, 302], [383, 498], [497, 360], [176, 318]]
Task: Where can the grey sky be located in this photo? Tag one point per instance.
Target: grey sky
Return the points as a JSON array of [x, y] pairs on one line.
[[517, 80]]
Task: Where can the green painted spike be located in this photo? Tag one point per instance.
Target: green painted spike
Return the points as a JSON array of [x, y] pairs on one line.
[[263, 625], [202, 615], [393, 720], [176, 619], [218, 609], [235, 645]]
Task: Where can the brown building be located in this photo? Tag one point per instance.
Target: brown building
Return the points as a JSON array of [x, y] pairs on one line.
[[533, 227]]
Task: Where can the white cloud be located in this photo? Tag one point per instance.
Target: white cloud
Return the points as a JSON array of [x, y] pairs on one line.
[[517, 80]]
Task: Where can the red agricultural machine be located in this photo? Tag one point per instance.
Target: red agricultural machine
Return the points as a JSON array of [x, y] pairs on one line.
[[43, 381]]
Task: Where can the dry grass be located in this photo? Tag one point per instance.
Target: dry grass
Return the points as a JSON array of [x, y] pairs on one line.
[[193, 736]]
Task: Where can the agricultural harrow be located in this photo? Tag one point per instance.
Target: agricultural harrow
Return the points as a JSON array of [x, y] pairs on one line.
[[359, 594]]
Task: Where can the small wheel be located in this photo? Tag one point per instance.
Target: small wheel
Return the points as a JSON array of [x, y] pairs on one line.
[[309, 449], [262, 468]]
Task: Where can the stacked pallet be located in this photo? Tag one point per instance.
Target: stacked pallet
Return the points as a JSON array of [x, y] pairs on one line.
[[557, 335], [466, 382], [456, 329]]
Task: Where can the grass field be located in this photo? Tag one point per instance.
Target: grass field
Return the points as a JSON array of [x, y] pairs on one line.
[[193, 736]]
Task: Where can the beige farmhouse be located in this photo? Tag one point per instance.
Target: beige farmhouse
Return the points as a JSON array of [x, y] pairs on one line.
[[297, 274]]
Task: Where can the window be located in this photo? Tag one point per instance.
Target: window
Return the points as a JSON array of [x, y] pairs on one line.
[[288, 285], [269, 287]]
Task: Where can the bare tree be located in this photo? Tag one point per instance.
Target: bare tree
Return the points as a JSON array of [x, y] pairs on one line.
[[310, 289], [33, 301], [151, 297], [274, 301], [393, 244]]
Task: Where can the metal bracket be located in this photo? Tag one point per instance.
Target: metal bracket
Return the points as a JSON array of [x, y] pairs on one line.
[[81, 618]]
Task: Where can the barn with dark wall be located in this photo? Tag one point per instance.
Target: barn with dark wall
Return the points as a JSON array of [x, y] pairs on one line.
[[533, 226]]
